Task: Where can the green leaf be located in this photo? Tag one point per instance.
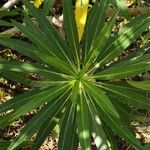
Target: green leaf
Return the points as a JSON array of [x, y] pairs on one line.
[[5, 144], [127, 86], [85, 37], [129, 66], [58, 45], [46, 128], [40, 39], [26, 68], [20, 46], [18, 101], [47, 112], [44, 96], [124, 38], [83, 123], [71, 29], [120, 128], [65, 89], [124, 113], [75, 91], [131, 24], [48, 4], [136, 56], [37, 37], [5, 23], [100, 41], [18, 77], [96, 126], [6, 13], [147, 147], [101, 98], [144, 85], [59, 64], [95, 22], [112, 141], [68, 129], [126, 95], [121, 5], [123, 71]]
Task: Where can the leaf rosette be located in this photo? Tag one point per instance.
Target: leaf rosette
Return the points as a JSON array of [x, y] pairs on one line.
[[76, 86]]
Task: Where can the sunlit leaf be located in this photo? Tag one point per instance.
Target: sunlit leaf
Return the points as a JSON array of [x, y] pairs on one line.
[[68, 129], [83, 123], [144, 85]]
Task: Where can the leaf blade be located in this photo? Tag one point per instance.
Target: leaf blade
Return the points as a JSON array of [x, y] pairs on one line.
[[100, 40], [144, 85], [96, 126], [121, 5], [71, 29], [68, 129], [83, 123], [126, 36], [39, 99], [94, 23], [48, 111], [118, 127], [53, 36], [132, 97], [100, 98]]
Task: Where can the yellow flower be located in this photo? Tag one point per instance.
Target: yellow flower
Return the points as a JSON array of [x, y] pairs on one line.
[[80, 15], [37, 3]]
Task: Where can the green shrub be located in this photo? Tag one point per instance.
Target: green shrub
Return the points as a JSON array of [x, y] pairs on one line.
[[79, 85]]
